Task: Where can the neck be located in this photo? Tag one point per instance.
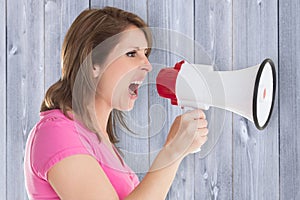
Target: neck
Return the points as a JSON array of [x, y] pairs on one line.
[[102, 113]]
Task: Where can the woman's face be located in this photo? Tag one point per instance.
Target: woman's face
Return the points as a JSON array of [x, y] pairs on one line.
[[126, 69]]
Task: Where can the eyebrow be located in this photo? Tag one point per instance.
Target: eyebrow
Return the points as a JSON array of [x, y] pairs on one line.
[[138, 48]]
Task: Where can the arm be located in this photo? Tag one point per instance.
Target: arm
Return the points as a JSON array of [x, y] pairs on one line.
[[157, 182], [81, 177], [186, 135]]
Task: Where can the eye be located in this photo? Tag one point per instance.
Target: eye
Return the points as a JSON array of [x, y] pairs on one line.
[[131, 54], [147, 52]]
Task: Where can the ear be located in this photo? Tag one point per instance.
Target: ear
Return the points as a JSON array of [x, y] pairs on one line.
[[96, 70]]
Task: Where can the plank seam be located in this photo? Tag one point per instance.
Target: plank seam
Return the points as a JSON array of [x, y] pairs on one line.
[[5, 103], [148, 90], [278, 74], [194, 60], [232, 124]]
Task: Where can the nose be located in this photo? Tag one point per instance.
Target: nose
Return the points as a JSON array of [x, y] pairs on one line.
[[146, 64]]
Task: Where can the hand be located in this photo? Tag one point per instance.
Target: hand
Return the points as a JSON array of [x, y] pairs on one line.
[[188, 133]]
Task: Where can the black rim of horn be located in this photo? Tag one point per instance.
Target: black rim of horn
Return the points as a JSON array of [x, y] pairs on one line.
[[254, 102]]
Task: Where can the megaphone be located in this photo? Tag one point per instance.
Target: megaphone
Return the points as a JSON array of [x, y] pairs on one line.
[[249, 92]]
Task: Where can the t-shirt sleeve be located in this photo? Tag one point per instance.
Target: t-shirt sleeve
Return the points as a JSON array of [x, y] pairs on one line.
[[54, 140]]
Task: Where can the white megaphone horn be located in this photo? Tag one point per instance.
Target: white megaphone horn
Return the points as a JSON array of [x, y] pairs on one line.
[[249, 92]]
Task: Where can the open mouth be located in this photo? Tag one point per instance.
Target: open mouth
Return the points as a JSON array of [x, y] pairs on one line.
[[133, 87]]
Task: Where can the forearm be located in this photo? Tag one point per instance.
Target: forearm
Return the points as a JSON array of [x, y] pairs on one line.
[[187, 134], [157, 182]]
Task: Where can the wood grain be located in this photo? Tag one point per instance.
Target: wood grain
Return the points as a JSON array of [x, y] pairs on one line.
[[59, 16], [245, 162], [25, 88], [176, 44], [3, 100], [213, 32], [289, 99], [134, 146], [138, 7], [255, 153]]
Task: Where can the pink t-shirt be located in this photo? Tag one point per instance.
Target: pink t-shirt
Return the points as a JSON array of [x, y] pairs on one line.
[[56, 137]]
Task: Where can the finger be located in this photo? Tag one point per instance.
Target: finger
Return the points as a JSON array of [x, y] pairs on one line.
[[202, 132], [195, 125], [204, 139], [200, 114], [195, 114], [202, 123]]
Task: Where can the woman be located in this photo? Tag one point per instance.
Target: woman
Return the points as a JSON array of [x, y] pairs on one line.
[[70, 153]]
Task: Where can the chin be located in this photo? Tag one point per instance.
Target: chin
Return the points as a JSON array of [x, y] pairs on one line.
[[125, 107], [128, 109]]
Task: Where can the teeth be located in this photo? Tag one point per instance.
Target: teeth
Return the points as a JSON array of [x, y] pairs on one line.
[[137, 82], [131, 92], [134, 86]]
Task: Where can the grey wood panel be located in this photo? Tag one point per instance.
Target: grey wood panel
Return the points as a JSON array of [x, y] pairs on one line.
[[253, 170], [3, 100], [181, 20], [178, 16], [25, 69], [158, 58], [213, 32], [134, 146], [59, 16], [138, 7], [289, 99], [255, 153]]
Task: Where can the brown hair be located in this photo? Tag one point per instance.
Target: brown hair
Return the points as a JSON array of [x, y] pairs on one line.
[[90, 29]]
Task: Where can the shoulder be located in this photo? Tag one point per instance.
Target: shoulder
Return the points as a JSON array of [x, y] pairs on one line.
[[54, 137], [53, 119], [55, 130]]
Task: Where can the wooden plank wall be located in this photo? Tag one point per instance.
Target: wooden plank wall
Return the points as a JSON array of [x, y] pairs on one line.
[[134, 146], [59, 15], [170, 48], [3, 100], [25, 88], [289, 99], [213, 31], [255, 153], [245, 163]]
